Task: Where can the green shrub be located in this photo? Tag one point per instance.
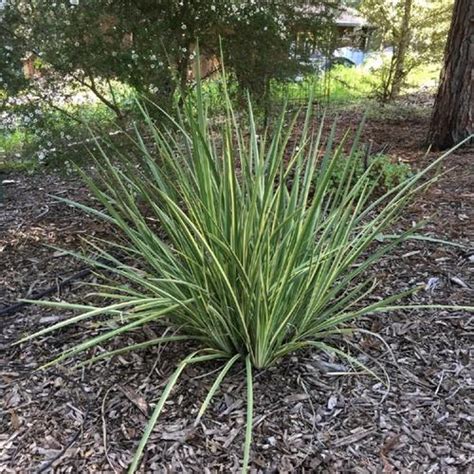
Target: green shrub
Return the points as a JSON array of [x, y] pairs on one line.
[[384, 175], [33, 130], [236, 240]]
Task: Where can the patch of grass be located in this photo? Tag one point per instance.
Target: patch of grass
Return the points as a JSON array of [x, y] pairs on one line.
[[339, 85], [13, 142], [349, 84], [7, 166], [343, 85], [424, 76]]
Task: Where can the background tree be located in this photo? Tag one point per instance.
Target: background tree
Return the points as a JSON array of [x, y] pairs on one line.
[[416, 31], [259, 40], [453, 114], [11, 55], [400, 52], [147, 44]]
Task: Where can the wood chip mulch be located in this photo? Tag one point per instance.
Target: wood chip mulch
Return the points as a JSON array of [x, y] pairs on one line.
[[313, 413]]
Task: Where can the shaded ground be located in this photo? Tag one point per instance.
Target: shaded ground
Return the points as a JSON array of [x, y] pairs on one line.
[[313, 414]]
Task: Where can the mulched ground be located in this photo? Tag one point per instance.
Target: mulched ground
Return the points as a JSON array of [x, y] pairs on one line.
[[313, 413]]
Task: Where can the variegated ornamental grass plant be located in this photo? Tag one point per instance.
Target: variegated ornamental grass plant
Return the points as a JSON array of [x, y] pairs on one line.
[[236, 241]]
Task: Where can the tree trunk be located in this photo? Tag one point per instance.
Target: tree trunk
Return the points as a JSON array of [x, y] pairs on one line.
[[453, 114], [402, 46]]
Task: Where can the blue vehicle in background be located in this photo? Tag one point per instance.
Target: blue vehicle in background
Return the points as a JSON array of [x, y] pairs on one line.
[[318, 63], [349, 56]]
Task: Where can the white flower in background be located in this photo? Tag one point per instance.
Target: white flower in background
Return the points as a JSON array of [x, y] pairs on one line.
[[213, 8], [74, 2]]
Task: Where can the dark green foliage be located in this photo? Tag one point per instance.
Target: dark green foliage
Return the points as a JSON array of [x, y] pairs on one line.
[[149, 45], [384, 174]]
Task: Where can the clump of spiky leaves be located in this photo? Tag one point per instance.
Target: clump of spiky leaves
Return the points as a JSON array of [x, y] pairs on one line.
[[237, 241]]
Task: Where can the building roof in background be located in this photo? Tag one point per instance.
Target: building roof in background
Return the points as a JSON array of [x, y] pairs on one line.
[[351, 17], [344, 16]]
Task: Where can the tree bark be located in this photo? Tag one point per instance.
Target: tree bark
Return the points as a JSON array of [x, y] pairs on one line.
[[402, 46], [453, 113]]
